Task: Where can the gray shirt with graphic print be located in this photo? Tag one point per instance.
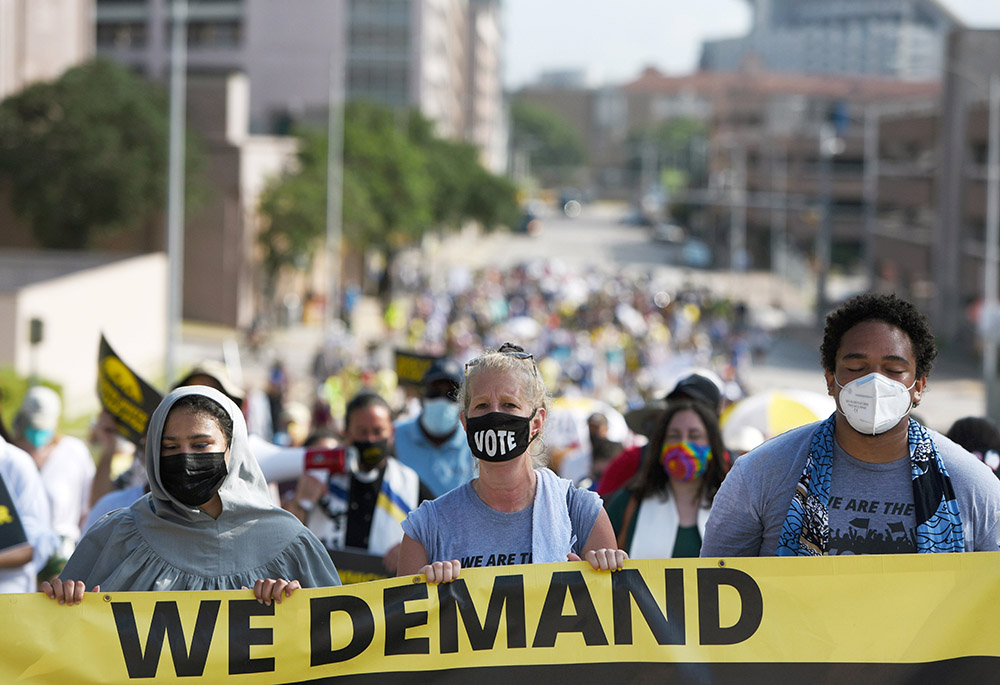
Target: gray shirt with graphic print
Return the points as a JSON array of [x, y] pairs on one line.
[[871, 505]]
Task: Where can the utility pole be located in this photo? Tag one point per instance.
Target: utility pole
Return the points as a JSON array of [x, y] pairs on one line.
[[990, 314], [827, 148], [334, 187], [175, 186], [871, 172], [779, 216], [738, 208]]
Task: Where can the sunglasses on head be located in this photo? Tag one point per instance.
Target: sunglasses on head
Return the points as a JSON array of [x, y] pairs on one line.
[[507, 350]]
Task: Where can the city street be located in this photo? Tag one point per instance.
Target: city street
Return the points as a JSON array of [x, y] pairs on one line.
[[598, 237]]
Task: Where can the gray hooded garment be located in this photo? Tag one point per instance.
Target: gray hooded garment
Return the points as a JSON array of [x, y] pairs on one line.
[[160, 544]]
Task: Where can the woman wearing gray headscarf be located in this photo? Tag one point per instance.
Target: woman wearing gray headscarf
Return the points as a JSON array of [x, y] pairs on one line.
[[207, 523]]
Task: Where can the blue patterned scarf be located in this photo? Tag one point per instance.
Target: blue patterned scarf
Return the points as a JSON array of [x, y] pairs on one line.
[[807, 526]]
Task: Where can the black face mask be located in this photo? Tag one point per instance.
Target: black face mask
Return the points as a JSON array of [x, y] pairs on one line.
[[498, 436], [371, 454], [193, 478]]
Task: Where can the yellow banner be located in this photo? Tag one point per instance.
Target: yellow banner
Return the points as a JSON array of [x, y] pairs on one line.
[[892, 618]]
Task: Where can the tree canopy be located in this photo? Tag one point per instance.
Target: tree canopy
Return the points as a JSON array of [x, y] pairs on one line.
[[555, 150], [400, 180], [86, 154]]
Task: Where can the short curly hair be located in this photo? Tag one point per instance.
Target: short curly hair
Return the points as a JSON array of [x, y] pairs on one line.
[[889, 309]]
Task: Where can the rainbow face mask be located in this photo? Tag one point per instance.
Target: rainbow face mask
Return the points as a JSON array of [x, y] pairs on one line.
[[685, 461]]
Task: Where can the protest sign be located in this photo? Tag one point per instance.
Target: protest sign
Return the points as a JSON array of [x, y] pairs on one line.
[[11, 530], [411, 367], [358, 566], [126, 396]]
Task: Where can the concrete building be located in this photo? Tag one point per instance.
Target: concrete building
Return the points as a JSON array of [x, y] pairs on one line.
[[930, 235], [907, 223], [40, 39], [972, 58], [765, 155], [441, 56], [762, 139], [891, 38], [78, 296]]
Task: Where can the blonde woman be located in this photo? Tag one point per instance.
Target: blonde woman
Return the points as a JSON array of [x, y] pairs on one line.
[[514, 512]]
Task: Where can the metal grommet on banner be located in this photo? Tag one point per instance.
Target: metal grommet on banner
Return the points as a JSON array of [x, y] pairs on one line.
[[418, 579], [107, 598], [722, 562]]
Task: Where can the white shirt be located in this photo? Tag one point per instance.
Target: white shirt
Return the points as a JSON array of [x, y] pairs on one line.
[[68, 474], [20, 476]]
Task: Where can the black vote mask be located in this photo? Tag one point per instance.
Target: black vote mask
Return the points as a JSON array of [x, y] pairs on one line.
[[371, 454], [193, 478], [498, 436]]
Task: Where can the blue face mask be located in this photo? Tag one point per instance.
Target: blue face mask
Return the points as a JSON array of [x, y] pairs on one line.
[[38, 437], [439, 417]]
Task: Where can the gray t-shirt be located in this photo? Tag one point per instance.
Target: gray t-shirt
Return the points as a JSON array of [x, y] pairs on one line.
[[459, 525], [871, 505]]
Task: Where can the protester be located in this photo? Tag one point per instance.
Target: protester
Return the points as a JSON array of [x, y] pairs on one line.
[[696, 387], [110, 493], [362, 507], [214, 374], [661, 513], [602, 449], [434, 444], [64, 462], [513, 512], [119, 464], [869, 479], [20, 562], [980, 436], [207, 523], [277, 391]]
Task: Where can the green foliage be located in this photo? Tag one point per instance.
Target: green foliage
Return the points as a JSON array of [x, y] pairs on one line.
[[13, 388], [492, 200], [556, 151], [87, 154], [392, 171], [674, 142], [400, 180]]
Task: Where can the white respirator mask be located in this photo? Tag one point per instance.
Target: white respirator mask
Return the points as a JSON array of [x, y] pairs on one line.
[[873, 404]]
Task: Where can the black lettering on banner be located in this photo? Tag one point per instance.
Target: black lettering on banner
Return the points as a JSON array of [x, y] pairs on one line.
[[362, 631], [552, 621], [454, 597], [397, 621], [166, 620], [751, 611], [667, 627], [242, 636]]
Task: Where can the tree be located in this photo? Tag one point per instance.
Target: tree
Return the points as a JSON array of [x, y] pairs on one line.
[[554, 149], [462, 189], [673, 144], [400, 179], [86, 154]]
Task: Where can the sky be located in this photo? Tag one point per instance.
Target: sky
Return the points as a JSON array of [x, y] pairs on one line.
[[614, 39]]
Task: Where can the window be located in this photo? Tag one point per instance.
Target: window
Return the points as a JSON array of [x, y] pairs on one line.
[[121, 35]]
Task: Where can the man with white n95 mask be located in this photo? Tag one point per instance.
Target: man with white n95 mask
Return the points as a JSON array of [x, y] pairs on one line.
[[869, 479]]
